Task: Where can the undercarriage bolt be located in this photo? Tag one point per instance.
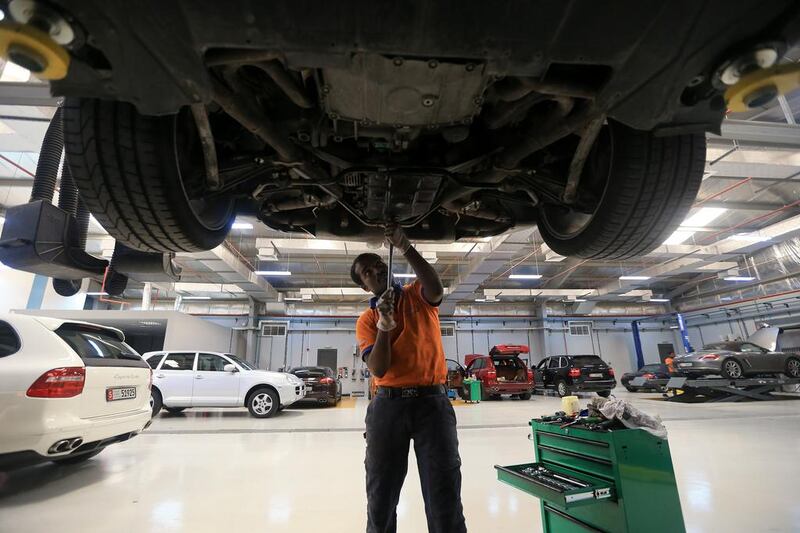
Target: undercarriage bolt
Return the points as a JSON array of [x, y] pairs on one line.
[[433, 63], [428, 101], [398, 61]]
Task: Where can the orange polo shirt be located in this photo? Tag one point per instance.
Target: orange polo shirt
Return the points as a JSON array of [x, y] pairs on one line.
[[417, 352]]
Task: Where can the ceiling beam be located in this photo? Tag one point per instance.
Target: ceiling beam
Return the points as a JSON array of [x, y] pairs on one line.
[[27, 94], [758, 132]]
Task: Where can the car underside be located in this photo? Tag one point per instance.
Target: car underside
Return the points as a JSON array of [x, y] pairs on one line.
[[453, 119]]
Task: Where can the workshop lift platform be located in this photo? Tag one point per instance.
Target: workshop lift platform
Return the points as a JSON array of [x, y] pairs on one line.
[[681, 389]]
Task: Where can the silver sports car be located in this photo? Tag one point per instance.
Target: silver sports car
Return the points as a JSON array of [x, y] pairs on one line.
[[736, 360]]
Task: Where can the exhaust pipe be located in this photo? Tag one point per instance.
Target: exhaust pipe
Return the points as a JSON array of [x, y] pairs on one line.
[[65, 445]]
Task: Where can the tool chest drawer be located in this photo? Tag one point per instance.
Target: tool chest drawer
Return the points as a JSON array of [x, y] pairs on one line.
[[591, 448], [559, 487]]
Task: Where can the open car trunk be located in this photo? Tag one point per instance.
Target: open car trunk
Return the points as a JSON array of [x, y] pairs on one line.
[[510, 369]]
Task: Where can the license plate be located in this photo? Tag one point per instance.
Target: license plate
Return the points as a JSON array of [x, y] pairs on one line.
[[595, 375], [684, 365], [120, 393]]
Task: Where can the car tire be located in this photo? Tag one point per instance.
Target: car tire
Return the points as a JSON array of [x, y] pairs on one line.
[[77, 459], [525, 396], [792, 367], [263, 403], [174, 410], [645, 185], [562, 388], [604, 393], [156, 402], [144, 177], [631, 389], [732, 369]]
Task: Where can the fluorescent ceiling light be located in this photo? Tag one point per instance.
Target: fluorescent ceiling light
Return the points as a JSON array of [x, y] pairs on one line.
[[272, 273], [749, 237], [634, 278], [739, 278], [659, 299], [96, 294], [241, 225], [678, 237], [704, 216], [525, 276], [405, 275], [578, 300], [196, 298], [13, 72], [292, 299], [480, 299]]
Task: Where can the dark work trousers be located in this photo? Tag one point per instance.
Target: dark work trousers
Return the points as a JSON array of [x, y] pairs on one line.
[[431, 422]]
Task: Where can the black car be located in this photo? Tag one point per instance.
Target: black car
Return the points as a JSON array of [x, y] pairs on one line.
[[655, 371], [321, 384], [572, 373]]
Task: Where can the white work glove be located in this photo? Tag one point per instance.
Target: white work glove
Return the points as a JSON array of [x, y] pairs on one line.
[[395, 235], [386, 311]]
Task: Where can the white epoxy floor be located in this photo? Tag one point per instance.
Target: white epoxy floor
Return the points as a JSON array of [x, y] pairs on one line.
[[223, 471]]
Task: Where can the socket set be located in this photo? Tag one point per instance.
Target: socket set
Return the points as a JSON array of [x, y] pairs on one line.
[[554, 480]]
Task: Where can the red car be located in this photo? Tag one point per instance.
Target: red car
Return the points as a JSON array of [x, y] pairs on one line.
[[502, 372]]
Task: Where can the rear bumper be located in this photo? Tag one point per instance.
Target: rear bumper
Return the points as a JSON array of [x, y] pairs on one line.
[[698, 367], [22, 459], [594, 386], [509, 388], [40, 439]]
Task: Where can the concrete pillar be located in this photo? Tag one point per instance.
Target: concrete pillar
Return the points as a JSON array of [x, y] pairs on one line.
[[545, 336], [147, 292], [252, 322]]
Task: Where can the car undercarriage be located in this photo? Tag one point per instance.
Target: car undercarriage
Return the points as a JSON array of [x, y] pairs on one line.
[[452, 119]]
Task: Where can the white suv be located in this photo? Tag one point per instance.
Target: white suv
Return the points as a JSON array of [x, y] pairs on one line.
[[190, 378], [67, 390]]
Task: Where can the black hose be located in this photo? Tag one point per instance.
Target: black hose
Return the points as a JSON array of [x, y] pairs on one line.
[[44, 184], [82, 216], [67, 191]]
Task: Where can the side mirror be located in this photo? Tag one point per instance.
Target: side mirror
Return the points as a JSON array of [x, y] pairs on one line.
[[230, 368]]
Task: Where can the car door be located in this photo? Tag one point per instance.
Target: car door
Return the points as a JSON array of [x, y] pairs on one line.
[[175, 379], [754, 357], [543, 376], [213, 387]]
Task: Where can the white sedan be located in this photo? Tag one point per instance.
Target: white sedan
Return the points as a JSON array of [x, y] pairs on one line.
[[67, 390], [189, 378]]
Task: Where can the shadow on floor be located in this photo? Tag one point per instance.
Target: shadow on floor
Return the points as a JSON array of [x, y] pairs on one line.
[[42, 482]]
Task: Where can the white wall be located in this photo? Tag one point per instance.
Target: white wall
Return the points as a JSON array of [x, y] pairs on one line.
[[15, 288]]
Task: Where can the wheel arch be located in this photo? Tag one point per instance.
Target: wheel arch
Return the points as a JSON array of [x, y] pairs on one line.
[[258, 386]]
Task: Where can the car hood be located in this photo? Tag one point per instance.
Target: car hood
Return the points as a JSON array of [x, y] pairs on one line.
[[268, 374]]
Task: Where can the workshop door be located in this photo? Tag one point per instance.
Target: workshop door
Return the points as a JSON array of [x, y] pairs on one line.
[[664, 350], [327, 357]]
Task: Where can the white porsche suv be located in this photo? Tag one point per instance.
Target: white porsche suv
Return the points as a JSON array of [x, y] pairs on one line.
[[67, 390], [191, 378]]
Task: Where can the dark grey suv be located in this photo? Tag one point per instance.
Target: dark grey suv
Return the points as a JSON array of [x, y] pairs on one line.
[[572, 373]]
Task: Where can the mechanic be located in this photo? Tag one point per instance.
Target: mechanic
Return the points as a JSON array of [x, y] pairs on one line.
[[400, 340]]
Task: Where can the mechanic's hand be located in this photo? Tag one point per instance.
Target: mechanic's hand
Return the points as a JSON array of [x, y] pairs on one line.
[[386, 311], [395, 235]]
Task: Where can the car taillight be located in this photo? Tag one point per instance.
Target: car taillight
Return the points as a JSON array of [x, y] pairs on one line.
[[530, 375], [711, 357], [574, 372], [59, 383], [648, 376], [610, 371], [491, 374], [326, 381]]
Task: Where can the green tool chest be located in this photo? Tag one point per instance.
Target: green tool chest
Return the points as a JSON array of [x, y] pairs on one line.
[[608, 481]]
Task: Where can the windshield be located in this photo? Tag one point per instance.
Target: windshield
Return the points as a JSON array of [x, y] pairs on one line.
[[730, 346], [586, 360], [239, 362]]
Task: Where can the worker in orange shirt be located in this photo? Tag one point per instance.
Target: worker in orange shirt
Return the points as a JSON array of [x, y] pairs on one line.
[[669, 360], [400, 340]]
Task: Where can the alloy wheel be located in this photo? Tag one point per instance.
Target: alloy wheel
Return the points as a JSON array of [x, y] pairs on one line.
[[262, 403], [562, 389], [793, 367], [733, 369]]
